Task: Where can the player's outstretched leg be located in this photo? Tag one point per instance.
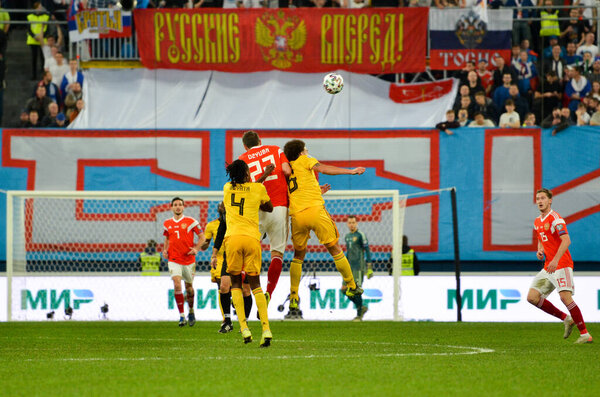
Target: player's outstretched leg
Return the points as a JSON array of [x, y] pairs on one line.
[[343, 266]]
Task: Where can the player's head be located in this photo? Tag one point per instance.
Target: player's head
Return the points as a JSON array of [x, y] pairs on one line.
[[543, 199], [293, 149], [177, 206], [352, 223], [221, 208], [238, 172], [250, 139]]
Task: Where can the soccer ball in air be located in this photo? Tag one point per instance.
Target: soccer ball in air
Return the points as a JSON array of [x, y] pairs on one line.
[[333, 83]]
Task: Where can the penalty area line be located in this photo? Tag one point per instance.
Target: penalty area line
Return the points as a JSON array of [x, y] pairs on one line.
[[468, 351]]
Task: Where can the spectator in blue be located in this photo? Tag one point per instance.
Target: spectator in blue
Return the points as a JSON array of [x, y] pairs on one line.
[[52, 90], [577, 87], [548, 51], [72, 76], [521, 23], [526, 72], [571, 58], [501, 93]]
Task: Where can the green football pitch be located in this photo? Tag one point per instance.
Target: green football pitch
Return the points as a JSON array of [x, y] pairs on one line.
[[68, 358]]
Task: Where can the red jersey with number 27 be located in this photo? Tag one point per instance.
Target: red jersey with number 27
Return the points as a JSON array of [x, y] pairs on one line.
[[257, 159], [181, 239], [549, 229]]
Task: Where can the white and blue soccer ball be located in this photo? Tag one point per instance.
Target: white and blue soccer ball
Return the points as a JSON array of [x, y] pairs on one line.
[[333, 83]]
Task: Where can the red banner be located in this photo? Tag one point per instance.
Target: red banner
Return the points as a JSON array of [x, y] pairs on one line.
[[378, 40]]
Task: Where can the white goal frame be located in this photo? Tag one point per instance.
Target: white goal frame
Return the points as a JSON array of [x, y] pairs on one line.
[[394, 195]]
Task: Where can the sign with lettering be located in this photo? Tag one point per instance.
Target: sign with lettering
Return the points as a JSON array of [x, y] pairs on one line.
[[301, 40], [99, 24]]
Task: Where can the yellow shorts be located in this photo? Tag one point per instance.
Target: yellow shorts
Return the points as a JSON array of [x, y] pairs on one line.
[[319, 221], [243, 253], [215, 274]]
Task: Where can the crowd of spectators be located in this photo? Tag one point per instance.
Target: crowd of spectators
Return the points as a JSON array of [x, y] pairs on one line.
[[57, 96], [553, 83], [552, 78]]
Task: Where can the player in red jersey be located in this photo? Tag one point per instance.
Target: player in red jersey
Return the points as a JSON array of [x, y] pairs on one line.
[[180, 252], [553, 243], [275, 224]]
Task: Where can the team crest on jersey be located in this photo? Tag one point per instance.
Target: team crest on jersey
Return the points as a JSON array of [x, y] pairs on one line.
[[183, 225], [354, 239], [546, 226]]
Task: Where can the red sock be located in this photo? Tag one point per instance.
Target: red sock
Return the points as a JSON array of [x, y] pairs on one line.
[[274, 273], [179, 300], [551, 309], [577, 317]]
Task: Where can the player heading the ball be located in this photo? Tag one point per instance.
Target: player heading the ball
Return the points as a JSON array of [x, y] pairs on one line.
[[274, 224], [308, 213]]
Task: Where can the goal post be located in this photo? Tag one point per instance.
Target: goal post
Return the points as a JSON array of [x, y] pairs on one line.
[[94, 234]]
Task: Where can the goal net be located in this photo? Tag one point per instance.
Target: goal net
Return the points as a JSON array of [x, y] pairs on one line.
[[82, 250]]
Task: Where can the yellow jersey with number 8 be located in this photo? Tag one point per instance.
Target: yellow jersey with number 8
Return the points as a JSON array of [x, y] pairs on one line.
[[303, 186], [242, 202]]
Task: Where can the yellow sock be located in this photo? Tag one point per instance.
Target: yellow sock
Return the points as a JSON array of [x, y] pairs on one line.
[[261, 305], [295, 275], [343, 266], [238, 303]]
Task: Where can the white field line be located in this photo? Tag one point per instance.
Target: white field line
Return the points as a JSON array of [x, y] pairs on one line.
[[447, 350]]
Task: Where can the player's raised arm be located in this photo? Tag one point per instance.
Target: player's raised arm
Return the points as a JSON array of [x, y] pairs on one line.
[[333, 170], [268, 170]]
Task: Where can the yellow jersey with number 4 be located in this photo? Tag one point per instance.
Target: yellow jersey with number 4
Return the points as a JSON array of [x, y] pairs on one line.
[[303, 186], [242, 202]]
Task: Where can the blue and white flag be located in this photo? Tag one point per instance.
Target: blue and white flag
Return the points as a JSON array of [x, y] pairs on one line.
[[458, 35]]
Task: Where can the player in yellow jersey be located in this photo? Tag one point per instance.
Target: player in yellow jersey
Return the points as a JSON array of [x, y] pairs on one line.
[[242, 200], [308, 213]]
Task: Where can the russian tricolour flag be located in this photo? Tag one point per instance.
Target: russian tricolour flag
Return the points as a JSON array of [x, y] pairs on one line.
[[97, 23], [460, 35]]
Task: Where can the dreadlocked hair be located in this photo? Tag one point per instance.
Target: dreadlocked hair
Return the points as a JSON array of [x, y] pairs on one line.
[[237, 172]]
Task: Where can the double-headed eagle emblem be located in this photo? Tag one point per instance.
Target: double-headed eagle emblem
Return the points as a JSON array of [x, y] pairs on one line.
[[470, 30], [280, 37]]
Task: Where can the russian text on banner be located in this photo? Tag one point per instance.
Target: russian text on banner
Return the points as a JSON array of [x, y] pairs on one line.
[[99, 24], [383, 40], [460, 35]]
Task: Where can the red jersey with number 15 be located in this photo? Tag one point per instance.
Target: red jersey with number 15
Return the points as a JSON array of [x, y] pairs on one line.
[[549, 229], [257, 159], [181, 239]]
